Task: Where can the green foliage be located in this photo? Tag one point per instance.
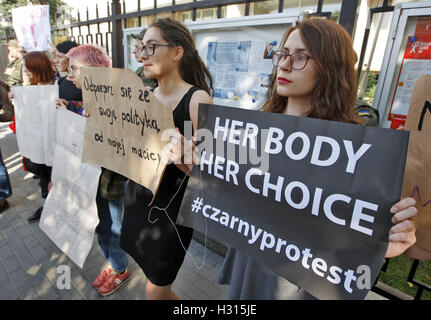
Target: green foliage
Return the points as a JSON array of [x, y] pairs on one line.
[[370, 90], [371, 85], [398, 271]]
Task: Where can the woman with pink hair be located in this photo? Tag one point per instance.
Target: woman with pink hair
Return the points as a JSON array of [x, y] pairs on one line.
[[87, 55], [110, 201]]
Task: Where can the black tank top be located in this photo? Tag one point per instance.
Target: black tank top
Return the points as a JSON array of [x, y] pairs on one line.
[[173, 176]]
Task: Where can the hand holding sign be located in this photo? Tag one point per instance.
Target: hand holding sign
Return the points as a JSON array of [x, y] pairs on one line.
[[402, 234], [180, 151]]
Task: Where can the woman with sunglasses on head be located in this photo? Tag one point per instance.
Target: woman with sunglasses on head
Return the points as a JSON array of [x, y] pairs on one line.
[[68, 92], [169, 55], [315, 79]]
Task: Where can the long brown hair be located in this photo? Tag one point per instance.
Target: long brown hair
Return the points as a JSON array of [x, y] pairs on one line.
[[40, 66], [334, 96], [192, 68]]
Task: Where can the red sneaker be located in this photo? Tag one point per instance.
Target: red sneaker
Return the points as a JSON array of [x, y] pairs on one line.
[[101, 278], [115, 281]]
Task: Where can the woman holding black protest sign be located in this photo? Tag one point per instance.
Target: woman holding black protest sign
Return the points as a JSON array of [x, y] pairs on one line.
[[315, 78], [149, 234]]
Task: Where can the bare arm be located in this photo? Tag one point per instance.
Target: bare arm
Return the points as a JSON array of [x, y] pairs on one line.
[[187, 160]]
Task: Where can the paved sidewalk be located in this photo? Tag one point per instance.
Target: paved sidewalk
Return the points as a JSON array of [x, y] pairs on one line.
[[29, 260]]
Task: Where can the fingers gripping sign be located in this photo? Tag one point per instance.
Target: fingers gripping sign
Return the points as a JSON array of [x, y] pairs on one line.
[[179, 150], [402, 234]]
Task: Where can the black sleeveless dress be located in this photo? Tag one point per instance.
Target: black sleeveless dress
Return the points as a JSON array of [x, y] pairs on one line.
[[156, 247]]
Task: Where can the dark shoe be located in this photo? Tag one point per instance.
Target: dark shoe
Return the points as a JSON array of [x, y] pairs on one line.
[[4, 206], [36, 216]]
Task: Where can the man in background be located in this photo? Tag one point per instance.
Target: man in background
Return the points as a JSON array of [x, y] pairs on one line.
[[137, 53], [14, 68]]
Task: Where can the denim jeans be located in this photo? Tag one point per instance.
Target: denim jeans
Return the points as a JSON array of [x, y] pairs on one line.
[[5, 187], [109, 231]]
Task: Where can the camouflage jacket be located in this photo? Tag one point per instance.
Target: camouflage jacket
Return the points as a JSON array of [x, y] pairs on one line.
[[147, 82], [16, 77]]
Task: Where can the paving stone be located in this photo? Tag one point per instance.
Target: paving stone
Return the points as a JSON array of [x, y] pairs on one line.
[[4, 222], [8, 292], [39, 253], [23, 231], [11, 265], [22, 252], [15, 241], [197, 293], [27, 292], [5, 252], [3, 241], [31, 242], [134, 289], [70, 294], [17, 222], [8, 231], [19, 278], [28, 264], [44, 287], [211, 290], [85, 288], [4, 280]]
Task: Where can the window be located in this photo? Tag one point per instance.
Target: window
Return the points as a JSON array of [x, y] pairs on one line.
[[233, 11], [206, 14], [184, 16], [264, 7], [333, 6]]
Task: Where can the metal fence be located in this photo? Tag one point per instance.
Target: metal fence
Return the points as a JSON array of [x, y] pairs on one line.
[[117, 20], [112, 40]]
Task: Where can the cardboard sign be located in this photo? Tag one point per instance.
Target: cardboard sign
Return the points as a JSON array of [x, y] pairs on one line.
[[69, 216], [417, 183], [125, 127], [312, 206], [32, 27], [36, 121]]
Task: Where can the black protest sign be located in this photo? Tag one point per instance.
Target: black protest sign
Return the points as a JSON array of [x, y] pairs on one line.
[[307, 198]]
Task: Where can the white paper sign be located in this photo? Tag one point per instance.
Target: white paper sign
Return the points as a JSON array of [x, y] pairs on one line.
[[32, 27], [69, 216], [35, 117]]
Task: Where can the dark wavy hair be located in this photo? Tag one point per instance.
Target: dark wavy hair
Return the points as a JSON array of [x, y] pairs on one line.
[[334, 96], [65, 46], [40, 66], [192, 68]]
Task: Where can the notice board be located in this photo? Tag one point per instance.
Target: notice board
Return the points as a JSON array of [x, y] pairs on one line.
[[237, 52]]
